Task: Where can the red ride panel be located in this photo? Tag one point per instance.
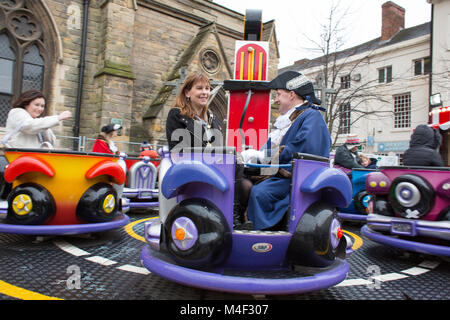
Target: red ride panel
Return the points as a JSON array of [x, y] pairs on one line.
[[257, 56], [255, 132]]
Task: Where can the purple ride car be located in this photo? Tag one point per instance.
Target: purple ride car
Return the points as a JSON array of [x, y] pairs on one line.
[[410, 209], [193, 241]]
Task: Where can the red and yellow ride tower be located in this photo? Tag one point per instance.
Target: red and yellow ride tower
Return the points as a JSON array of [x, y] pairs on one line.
[[249, 94]]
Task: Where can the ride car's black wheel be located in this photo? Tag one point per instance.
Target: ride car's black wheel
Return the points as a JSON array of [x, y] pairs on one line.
[[30, 204], [444, 215], [98, 204], [361, 201], [5, 187], [411, 196], [197, 234], [318, 238], [381, 205]]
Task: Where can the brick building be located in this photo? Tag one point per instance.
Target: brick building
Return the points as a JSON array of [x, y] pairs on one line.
[[116, 60]]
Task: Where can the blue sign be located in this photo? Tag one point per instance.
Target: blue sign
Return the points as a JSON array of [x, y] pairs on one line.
[[370, 141], [393, 146]]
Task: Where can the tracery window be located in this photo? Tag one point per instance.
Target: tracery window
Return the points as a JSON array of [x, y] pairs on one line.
[[210, 61], [23, 52], [7, 62]]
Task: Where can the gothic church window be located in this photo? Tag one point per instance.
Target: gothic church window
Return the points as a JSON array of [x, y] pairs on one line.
[[33, 69], [7, 62], [210, 61], [24, 55]]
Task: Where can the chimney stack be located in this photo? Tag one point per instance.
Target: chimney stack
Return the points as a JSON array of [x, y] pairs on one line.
[[392, 20]]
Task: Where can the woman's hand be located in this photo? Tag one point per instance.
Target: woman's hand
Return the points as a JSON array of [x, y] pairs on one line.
[[64, 115]]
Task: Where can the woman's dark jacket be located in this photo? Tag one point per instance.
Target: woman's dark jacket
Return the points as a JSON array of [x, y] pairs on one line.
[[191, 129], [423, 148]]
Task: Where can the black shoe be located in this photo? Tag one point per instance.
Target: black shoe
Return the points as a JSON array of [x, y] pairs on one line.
[[237, 221], [247, 225]]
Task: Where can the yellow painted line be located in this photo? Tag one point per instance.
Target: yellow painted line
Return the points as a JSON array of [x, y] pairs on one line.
[[129, 229], [358, 241], [23, 294]]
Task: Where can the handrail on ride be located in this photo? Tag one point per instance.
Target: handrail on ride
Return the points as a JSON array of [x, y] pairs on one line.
[[259, 165]]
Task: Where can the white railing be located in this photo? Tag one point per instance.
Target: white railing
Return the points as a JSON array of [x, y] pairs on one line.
[[83, 143]]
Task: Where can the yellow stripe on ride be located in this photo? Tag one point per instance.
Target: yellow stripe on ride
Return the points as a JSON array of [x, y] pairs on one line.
[[260, 66], [241, 70], [23, 294], [251, 64], [358, 241], [129, 229]]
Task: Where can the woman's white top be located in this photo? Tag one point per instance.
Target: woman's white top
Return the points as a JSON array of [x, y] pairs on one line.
[[25, 131]]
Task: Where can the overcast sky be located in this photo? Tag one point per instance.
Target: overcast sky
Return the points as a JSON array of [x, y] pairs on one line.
[[294, 18]]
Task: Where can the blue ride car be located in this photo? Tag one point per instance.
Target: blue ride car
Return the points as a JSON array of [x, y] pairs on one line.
[[358, 208]]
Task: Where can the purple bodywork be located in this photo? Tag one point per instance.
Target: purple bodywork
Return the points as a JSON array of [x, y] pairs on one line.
[[402, 227], [211, 176]]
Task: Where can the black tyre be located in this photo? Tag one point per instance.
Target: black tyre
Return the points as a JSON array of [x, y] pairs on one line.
[[361, 201], [98, 204], [197, 234], [444, 215], [30, 204], [381, 206], [5, 187], [314, 243], [253, 22], [411, 196]]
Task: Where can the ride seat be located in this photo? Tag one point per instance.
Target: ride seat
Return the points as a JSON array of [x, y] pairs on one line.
[[142, 175]]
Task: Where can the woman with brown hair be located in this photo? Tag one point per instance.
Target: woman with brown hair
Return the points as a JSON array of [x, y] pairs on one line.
[[197, 126], [25, 125], [190, 123]]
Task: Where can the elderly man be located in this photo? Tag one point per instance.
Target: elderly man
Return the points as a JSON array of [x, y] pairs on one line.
[[308, 133], [347, 154]]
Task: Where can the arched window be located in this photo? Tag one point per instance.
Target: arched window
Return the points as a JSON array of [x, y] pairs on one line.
[[33, 69], [24, 55], [7, 62]]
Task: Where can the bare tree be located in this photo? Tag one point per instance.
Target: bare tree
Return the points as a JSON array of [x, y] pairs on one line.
[[337, 62]]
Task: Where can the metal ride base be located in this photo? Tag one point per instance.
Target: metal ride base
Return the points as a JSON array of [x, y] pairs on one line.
[[263, 282], [119, 221], [106, 266], [406, 244]]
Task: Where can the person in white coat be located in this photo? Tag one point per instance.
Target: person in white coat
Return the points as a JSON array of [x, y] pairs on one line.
[[25, 126]]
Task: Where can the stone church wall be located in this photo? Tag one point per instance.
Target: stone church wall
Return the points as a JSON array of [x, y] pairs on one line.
[[131, 48]]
